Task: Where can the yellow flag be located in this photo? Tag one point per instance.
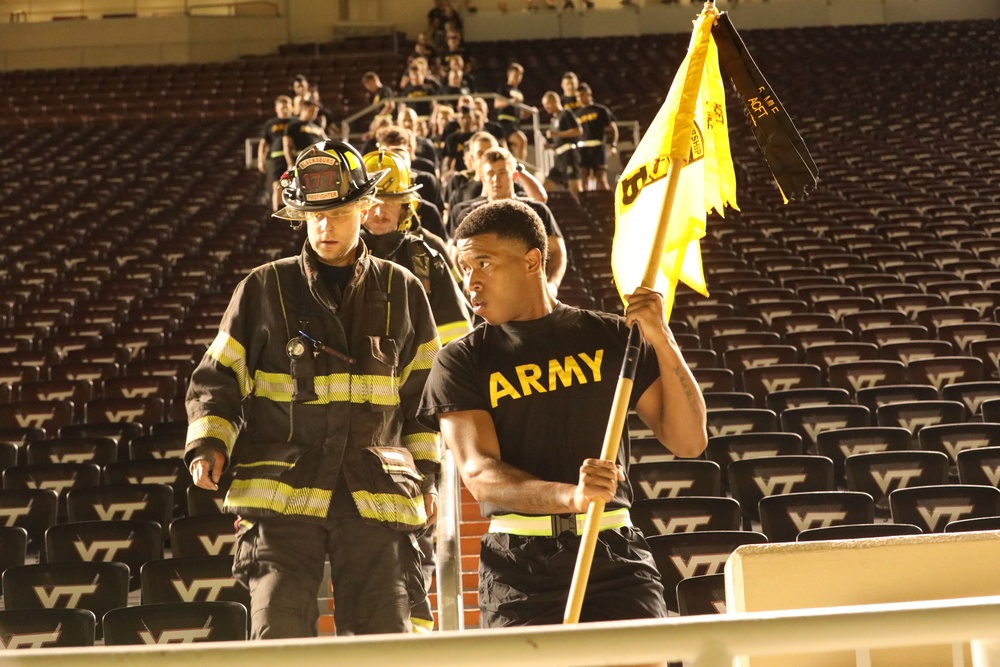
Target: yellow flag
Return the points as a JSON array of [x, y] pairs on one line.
[[691, 126]]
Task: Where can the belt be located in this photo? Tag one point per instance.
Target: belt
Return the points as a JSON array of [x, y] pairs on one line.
[[565, 147], [590, 143], [277, 153], [504, 116], [556, 524]]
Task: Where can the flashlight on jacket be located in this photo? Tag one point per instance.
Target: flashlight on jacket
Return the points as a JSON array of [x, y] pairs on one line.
[[303, 370]]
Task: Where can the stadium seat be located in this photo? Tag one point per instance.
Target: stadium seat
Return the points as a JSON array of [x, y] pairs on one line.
[[724, 449], [972, 394], [204, 578], [110, 502], [714, 379], [880, 473], [875, 397], [952, 439], [762, 380], [13, 546], [96, 587], [172, 472], [809, 422], [99, 451], [915, 415], [60, 477], [689, 554], [933, 507], [940, 371], [49, 415], [834, 353], [47, 628], [735, 422], [705, 594], [857, 531], [157, 446], [132, 542], [979, 466], [755, 478], [857, 375], [911, 350], [988, 350], [779, 401], [784, 516], [212, 534], [979, 523], [175, 622], [685, 514], [838, 444], [739, 359]]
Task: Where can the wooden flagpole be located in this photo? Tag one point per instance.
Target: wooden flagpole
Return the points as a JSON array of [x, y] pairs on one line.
[[623, 392]]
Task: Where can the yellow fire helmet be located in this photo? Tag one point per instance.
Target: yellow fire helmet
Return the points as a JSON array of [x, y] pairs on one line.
[[396, 184]]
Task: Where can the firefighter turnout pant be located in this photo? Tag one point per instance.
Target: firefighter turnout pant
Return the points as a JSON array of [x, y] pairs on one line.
[[281, 560]]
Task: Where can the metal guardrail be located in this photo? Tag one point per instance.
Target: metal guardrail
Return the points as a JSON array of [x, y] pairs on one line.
[[542, 161], [700, 641]]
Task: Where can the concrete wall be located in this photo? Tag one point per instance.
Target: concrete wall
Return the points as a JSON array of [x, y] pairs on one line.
[[770, 577], [654, 18], [177, 38]]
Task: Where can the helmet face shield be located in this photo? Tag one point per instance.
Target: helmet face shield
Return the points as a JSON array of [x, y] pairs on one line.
[[326, 176]]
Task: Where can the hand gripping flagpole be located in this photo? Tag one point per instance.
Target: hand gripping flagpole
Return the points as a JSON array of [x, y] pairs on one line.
[[623, 392]]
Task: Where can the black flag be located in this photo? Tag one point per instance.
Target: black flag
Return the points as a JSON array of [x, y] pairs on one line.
[[784, 150]]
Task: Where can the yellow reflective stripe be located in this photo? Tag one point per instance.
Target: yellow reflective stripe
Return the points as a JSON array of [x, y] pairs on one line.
[[230, 353], [277, 153], [276, 386], [374, 389], [421, 625], [422, 360], [268, 494], [259, 464], [423, 446], [391, 507], [213, 427], [452, 330], [335, 388]]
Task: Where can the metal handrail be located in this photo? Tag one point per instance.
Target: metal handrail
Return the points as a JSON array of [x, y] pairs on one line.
[[451, 606], [700, 641], [542, 160]]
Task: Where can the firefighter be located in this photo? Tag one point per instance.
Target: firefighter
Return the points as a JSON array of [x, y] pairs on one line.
[[393, 232], [308, 394]]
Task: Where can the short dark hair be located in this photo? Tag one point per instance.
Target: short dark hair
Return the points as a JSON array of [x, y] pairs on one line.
[[508, 219]]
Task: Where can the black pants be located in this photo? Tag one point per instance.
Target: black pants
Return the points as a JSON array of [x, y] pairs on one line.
[[526, 580], [281, 561]]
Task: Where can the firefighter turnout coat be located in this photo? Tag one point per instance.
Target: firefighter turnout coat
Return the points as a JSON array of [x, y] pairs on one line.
[[344, 410]]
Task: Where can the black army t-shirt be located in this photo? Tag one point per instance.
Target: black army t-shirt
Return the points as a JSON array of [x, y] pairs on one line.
[[547, 383]]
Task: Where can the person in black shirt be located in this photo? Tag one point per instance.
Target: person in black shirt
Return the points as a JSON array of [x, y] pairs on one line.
[[564, 134], [597, 121], [378, 93], [508, 114], [523, 402], [455, 84], [569, 98], [302, 133], [456, 142], [503, 178], [419, 86], [271, 150]]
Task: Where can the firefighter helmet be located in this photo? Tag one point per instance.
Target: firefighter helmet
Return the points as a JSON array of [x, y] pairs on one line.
[[327, 175], [397, 182]]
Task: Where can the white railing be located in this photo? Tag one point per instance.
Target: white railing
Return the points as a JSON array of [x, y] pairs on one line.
[[700, 641]]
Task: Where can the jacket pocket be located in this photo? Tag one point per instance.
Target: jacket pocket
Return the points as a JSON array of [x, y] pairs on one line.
[[386, 488], [380, 369]]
